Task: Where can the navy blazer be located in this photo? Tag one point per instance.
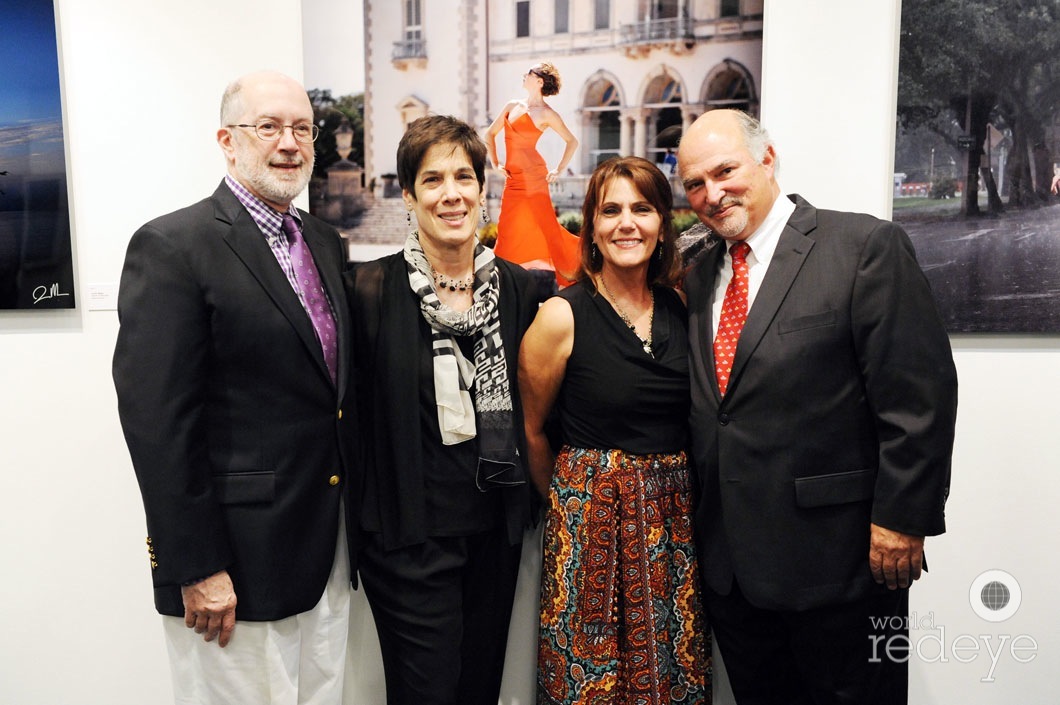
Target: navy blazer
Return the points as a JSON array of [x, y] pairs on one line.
[[238, 437], [839, 413]]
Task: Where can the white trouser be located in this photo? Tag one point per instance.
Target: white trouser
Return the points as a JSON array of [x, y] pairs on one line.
[[298, 660]]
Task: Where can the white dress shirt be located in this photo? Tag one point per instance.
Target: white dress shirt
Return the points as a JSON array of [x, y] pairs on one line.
[[763, 243]]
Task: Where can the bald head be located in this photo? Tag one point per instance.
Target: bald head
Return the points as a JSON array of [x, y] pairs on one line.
[[727, 164], [233, 102], [731, 123]]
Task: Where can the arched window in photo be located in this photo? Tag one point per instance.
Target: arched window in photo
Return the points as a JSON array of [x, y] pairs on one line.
[[731, 85], [602, 121], [663, 98]]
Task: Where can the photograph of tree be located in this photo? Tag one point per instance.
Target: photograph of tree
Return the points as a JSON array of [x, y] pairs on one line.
[[36, 266], [977, 159]]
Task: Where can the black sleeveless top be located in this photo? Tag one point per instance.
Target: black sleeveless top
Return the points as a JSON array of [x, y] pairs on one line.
[[615, 395]]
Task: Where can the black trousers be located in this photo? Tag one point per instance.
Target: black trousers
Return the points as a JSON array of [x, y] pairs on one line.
[[442, 610], [849, 654]]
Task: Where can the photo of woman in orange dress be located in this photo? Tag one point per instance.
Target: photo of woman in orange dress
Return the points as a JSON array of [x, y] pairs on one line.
[[528, 232]]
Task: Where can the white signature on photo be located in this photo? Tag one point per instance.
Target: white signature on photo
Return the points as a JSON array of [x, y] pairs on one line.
[[43, 293]]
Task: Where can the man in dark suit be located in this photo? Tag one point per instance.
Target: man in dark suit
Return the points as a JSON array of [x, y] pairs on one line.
[[230, 367], [823, 409]]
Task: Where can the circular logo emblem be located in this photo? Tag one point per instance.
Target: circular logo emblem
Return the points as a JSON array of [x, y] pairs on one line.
[[995, 595]]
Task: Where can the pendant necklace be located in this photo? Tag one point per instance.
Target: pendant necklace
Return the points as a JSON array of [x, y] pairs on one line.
[[453, 284], [644, 342]]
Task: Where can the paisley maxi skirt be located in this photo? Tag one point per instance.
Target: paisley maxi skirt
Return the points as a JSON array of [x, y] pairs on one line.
[[621, 617]]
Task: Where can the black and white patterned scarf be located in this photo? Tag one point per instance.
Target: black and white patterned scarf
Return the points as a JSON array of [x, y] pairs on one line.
[[490, 416]]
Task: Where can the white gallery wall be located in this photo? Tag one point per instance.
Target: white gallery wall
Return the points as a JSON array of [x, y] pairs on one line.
[[142, 86]]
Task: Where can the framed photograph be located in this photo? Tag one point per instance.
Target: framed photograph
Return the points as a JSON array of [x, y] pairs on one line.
[[977, 158], [633, 77], [36, 263]]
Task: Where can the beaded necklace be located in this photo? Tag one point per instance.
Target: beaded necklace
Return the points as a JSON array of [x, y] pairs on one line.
[[453, 284], [644, 342]]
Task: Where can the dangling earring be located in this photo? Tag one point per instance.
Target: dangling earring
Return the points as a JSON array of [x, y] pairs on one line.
[[594, 254], [658, 251], [408, 218], [485, 215]]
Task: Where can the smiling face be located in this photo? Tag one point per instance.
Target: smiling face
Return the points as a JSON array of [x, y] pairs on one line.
[[626, 226], [446, 197], [276, 172], [730, 190]]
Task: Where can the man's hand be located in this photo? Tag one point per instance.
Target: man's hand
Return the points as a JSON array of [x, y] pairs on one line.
[[210, 607], [894, 557]]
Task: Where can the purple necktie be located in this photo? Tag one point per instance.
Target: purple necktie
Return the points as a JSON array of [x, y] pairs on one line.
[[316, 302]]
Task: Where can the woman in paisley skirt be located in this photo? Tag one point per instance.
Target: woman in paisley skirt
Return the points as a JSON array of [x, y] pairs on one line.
[[621, 620]]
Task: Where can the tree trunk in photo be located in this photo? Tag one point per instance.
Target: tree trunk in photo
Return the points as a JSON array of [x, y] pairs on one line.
[[1042, 165], [993, 198], [970, 192], [973, 111], [1020, 184]]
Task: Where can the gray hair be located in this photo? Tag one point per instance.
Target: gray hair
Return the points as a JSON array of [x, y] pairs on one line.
[[755, 137], [231, 104]]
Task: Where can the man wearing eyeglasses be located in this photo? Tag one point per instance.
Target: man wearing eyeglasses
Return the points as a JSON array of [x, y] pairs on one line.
[[231, 365]]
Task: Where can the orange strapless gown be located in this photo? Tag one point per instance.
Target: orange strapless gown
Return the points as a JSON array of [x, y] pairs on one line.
[[528, 231]]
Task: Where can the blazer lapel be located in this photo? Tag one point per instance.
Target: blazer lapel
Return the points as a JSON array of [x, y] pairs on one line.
[[699, 284], [248, 243], [788, 258]]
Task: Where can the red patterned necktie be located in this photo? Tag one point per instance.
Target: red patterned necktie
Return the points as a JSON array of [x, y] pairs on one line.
[[733, 315], [316, 302]]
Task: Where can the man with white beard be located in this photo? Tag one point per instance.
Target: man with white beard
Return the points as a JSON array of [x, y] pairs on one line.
[[231, 367]]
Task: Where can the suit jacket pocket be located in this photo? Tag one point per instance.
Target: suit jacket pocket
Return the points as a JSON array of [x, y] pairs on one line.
[[245, 487], [838, 488], [814, 320]]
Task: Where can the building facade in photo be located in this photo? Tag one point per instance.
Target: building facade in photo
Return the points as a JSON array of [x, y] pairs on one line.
[[635, 73]]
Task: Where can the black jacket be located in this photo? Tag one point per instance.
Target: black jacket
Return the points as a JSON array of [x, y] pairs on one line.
[[240, 441], [386, 337]]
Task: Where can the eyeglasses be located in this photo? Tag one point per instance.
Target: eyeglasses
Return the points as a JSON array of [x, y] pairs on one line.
[[270, 131]]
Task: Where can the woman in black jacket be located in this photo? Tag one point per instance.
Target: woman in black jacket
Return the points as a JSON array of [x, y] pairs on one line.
[[445, 497]]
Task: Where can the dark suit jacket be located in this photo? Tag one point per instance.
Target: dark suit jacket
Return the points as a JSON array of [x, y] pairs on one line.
[[839, 412], [386, 318], [236, 432]]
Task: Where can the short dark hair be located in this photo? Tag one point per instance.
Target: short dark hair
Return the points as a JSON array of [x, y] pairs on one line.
[[549, 75], [425, 132], [663, 269]]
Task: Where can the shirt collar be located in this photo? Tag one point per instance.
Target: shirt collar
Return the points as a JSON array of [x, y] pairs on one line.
[[266, 217], [764, 240]]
